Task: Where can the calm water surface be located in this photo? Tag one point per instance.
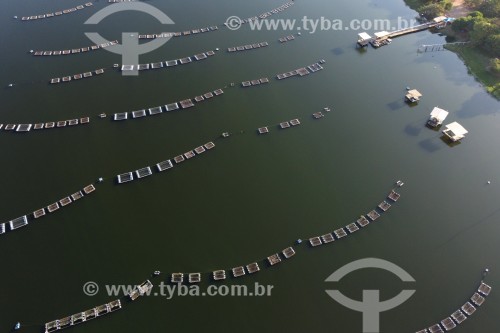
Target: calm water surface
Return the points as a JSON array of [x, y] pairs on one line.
[[252, 195]]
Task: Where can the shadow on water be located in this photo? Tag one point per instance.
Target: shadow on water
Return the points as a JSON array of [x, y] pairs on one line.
[[338, 51], [478, 105], [396, 105], [430, 145], [448, 142], [361, 50], [414, 129]]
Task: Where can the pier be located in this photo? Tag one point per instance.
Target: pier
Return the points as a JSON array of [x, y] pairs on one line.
[[301, 71], [255, 82]]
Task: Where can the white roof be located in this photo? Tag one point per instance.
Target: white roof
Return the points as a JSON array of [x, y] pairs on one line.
[[457, 129], [381, 34], [439, 19], [439, 114], [364, 35]]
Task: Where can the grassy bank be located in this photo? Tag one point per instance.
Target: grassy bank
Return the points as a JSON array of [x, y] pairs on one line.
[[476, 60], [478, 64]]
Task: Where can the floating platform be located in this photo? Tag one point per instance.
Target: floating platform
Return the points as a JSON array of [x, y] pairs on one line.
[[484, 289], [194, 278], [263, 130], [39, 213], [468, 309], [199, 150], [177, 278], [77, 195], [125, 177], [139, 114], [274, 259], [18, 222], [143, 172], [458, 316], [219, 275], [65, 201], [209, 145], [448, 324], [24, 127], [164, 165], [295, 122], [89, 189], [394, 196], [190, 154], [373, 215], [53, 207], [339, 233], [327, 238], [477, 299], [155, 110], [179, 159], [187, 103], [352, 227], [2, 228], [284, 125], [384, 206], [317, 115], [171, 107], [121, 116], [238, 271], [253, 268], [288, 252], [436, 329], [362, 221], [315, 241]]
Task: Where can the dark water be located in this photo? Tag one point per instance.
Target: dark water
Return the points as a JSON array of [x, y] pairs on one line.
[[252, 195]]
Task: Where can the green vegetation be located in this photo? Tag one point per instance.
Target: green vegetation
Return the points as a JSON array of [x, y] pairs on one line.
[[481, 27]]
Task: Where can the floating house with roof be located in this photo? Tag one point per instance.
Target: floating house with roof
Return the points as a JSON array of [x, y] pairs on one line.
[[455, 132], [437, 117]]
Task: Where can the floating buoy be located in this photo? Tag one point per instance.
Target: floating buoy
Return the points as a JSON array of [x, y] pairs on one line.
[[298, 33], [15, 17], [407, 88], [299, 241], [17, 326], [216, 49], [101, 179], [11, 84], [489, 182], [31, 51]]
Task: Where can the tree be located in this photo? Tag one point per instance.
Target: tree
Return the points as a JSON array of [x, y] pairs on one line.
[[463, 24], [492, 45], [482, 29], [495, 65], [490, 8], [432, 10]]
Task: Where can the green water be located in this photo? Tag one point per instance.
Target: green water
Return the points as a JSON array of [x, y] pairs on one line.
[[252, 195]]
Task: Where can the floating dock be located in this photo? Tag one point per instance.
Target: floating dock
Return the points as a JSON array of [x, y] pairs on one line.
[[373, 215], [141, 290], [253, 268], [315, 241], [177, 278], [274, 259], [194, 278], [301, 71], [288, 252], [340, 233], [38, 126], [219, 275], [247, 47], [57, 13], [82, 317], [459, 316], [238, 271]]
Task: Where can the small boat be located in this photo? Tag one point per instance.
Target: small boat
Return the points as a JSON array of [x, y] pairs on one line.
[[225, 134], [399, 183], [17, 326], [100, 179], [216, 49], [156, 273], [299, 241], [102, 115]]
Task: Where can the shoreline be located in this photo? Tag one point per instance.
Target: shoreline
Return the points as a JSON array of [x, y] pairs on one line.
[[475, 60]]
